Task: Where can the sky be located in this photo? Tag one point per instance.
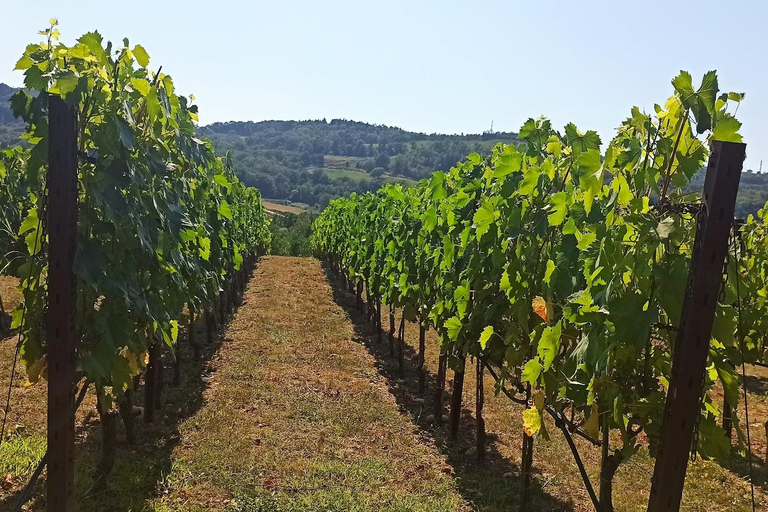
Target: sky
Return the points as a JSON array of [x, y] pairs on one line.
[[445, 66]]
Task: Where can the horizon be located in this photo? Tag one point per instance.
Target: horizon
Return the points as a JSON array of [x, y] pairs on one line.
[[429, 68]]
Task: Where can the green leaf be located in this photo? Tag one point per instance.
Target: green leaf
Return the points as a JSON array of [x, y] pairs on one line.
[[453, 325], [141, 55], [66, 82], [125, 131], [35, 79], [205, 248], [530, 180], [141, 85], [531, 371], [223, 181], [559, 208], [224, 210], [505, 285], [727, 129], [549, 345], [430, 219], [485, 336], [581, 142], [483, 218], [90, 264], [93, 41], [713, 444], [30, 221], [585, 240], [507, 165], [701, 102], [550, 270]]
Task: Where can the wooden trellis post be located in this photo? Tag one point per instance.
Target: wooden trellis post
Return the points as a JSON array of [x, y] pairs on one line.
[[62, 338], [695, 330]]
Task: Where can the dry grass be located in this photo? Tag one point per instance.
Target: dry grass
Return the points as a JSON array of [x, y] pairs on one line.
[[282, 208], [297, 417], [9, 294]]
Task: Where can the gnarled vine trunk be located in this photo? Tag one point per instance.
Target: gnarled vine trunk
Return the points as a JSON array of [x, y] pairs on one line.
[[401, 342], [422, 352], [150, 385], [391, 331], [609, 465], [479, 403], [108, 420], [458, 393], [125, 405], [442, 364]]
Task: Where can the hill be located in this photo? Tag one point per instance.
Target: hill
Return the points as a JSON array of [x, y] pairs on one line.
[[10, 127], [314, 161]]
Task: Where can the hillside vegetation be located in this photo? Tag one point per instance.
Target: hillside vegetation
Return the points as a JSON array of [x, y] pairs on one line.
[[315, 161]]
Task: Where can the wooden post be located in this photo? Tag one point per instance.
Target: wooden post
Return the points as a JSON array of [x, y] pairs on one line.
[[695, 331], [62, 309]]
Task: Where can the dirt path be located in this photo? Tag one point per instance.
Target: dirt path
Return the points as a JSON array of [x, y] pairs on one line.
[[296, 416]]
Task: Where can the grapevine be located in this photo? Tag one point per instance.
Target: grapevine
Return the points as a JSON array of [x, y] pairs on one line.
[[164, 224], [557, 263]]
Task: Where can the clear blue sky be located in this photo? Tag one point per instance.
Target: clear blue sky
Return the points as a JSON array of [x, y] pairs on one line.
[[433, 66]]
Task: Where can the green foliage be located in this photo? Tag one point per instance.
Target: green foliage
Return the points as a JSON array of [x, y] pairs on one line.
[[290, 234], [548, 260], [163, 222]]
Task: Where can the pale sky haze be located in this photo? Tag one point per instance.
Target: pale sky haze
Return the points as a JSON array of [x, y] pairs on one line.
[[435, 66]]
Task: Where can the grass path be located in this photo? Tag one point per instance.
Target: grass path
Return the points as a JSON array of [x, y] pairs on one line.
[[298, 407], [296, 416]]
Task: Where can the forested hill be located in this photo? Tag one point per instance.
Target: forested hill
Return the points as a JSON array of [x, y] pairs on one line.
[[10, 127], [313, 161]]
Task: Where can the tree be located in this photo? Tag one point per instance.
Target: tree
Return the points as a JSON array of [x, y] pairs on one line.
[[377, 172], [381, 160]]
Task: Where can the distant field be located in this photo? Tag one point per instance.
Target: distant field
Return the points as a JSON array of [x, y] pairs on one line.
[[354, 175], [359, 176], [398, 179], [340, 161], [283, 208]]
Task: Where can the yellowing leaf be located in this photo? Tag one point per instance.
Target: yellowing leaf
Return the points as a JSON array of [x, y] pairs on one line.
[[531, 421], [37, 370], [592, 424], [540, 307]]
